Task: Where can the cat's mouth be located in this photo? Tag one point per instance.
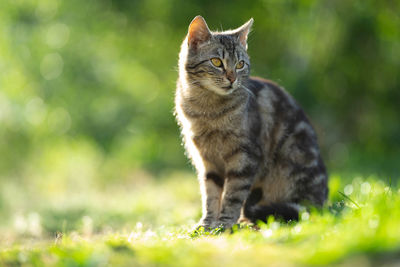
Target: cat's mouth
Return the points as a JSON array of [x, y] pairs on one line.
[[227, 87]]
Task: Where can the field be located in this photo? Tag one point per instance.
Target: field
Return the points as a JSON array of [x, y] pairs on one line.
[[92, 170], [149, 223]]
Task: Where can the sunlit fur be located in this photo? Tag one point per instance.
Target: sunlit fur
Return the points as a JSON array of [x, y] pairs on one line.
[[255, 152]]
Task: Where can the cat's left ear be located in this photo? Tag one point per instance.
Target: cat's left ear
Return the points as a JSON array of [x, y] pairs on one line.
[[243, 32]]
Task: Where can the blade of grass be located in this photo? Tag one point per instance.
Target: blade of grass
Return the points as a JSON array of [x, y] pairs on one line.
[[352, 201]]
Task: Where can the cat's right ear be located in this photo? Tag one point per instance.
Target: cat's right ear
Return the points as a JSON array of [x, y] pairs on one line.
[[198, 32]]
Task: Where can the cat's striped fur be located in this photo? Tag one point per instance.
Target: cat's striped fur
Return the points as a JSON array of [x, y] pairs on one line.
[[254, 149]]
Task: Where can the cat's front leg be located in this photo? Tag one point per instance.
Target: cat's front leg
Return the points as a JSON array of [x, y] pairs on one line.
[[211, 185], [239, 179]]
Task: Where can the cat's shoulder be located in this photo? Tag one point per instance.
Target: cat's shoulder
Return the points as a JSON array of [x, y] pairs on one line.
[[257, 84], [261, 82]]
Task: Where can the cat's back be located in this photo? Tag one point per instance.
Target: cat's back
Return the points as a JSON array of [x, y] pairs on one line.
[[287, 134], [275, 105], [289, 142]]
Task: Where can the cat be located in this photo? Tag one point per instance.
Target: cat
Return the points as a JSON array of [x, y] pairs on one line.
[[255, 152]]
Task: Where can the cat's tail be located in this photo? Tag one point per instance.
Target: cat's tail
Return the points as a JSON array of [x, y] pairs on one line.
[[283, 211]]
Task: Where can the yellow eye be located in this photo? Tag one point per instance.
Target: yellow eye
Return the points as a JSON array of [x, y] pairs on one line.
[[216, 62], [240, 64]]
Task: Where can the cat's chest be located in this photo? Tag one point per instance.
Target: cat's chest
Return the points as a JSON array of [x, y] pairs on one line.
[[214, 141], [209, 140]]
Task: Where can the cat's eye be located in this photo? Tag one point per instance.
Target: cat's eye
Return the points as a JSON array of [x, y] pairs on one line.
[[216, 62], [240, 64]]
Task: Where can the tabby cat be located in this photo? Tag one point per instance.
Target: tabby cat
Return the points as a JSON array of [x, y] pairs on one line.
[[254, 149]]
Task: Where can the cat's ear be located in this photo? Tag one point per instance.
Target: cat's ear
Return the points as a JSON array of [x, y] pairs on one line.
[[243, 31], [198, 32]]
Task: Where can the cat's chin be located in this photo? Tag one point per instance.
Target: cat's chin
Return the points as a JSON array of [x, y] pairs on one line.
[[222, 91]]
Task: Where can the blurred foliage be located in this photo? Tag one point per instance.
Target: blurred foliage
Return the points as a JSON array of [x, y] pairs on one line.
[[87, 87], [86, 101]]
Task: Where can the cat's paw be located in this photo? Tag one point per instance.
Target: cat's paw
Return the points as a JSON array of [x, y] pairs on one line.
[[204, 225], [223, 225]]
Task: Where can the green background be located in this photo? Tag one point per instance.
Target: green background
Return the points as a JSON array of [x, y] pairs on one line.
[[87, 87], [92, 171]]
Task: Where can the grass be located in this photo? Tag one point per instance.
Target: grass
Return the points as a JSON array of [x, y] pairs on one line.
[[149, 223]]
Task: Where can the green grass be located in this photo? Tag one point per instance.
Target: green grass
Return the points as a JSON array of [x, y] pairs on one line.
[[149, 222]]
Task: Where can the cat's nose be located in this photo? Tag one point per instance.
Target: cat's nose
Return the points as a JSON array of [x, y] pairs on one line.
[[231, 76]]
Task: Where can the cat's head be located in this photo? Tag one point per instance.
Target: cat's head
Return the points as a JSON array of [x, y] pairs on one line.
[[216, 61]]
